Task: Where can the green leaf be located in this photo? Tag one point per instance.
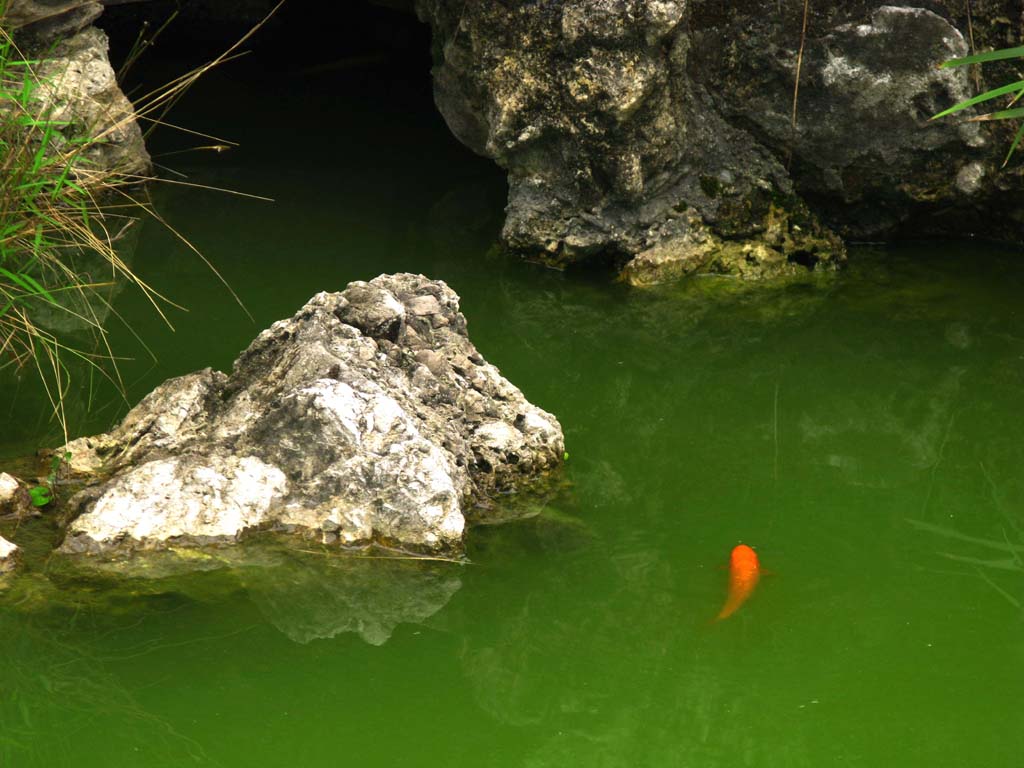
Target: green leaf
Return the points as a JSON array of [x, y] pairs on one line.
[[55, 463], [984, 58], [38, 288], [41, 495], [28, 284], [60, 182], [10, 230], [16, 279], [994, 93]]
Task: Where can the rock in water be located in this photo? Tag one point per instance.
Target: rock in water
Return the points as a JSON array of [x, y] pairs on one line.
[[73, 85], [369, 416], [14, 500], [10, 555], [611, 145], [668, 136], [864, 154]]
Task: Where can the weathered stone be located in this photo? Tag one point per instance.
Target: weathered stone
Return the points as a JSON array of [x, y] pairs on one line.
[[75, 90], [10, 556], [663, 135], [863, 152], [14, 500], [42, 22], [157, 424], [78, 91], [191, 500], [782, 250], [610, 146], [331, 423]]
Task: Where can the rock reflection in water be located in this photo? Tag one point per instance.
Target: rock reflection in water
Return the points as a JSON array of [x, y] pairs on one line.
[[87, 311], [321, 597], [306, 594]]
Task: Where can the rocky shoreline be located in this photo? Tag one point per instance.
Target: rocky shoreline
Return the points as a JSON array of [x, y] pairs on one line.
[[670, 138]]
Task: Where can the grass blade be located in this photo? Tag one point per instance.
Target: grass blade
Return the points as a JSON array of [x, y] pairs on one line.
[[1015, 87], [1006, 114], [984, 58], [1016, 142]]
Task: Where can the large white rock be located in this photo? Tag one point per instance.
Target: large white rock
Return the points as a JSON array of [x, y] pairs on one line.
[[367, 417]]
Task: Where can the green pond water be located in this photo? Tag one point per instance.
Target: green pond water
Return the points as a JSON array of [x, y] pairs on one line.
[[864, 432]]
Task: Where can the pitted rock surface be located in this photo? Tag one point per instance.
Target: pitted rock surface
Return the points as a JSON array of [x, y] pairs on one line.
[[75, 87], [661, 134], [864, 152], [369, 416], [610, 146]]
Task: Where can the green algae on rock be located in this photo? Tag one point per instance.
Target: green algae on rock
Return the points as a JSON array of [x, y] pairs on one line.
[[782, 249]]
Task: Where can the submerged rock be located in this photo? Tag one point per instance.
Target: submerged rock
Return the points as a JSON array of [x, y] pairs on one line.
[[307, 600], [369, 416], [306, 591]]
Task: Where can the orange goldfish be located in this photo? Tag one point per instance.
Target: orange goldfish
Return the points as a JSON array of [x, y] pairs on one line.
[[744, 573]]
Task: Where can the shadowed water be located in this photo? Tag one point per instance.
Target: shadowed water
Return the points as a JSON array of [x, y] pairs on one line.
[[862, 432]]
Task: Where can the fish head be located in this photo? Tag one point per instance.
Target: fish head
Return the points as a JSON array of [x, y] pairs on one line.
[[743, 558]]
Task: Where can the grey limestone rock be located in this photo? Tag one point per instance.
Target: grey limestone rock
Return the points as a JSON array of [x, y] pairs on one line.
[[42, 22], [864, 153], [369, 416], [77, 89], [660, 134], [611, 147]]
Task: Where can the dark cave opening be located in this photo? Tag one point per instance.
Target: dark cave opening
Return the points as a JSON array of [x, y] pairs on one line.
[[297, 39], [327, 83]]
